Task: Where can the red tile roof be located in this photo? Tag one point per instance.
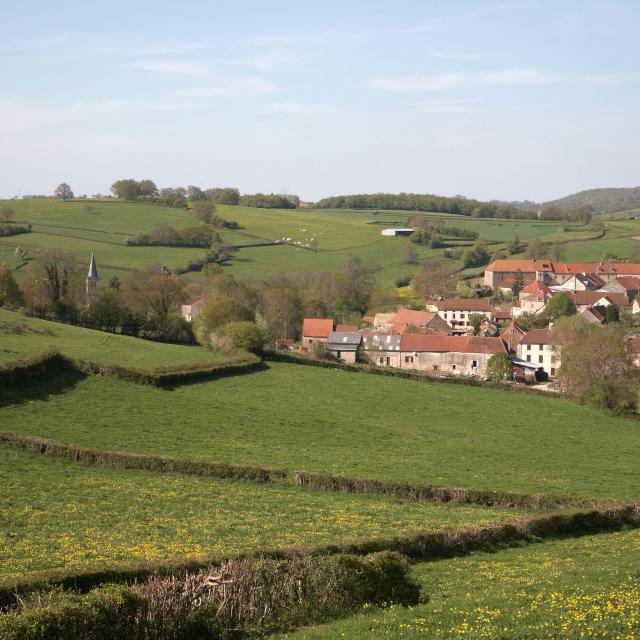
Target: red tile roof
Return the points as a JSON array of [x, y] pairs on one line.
[[538, 336], [530, 266], [464, 304], [509, 282], [450, 344], [347, 328], [317, 327], [535, 287], [411, 316], [590, 298], [502, 315]]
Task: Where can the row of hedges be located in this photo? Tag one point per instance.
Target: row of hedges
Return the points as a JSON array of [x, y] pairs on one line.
[[417, 491], [239, 598], [414, 491], [168, 376], [418, 546], [124, 460], [290, 358], [34, 366]]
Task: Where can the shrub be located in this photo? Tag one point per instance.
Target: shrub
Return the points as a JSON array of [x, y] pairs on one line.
[[243, 335]]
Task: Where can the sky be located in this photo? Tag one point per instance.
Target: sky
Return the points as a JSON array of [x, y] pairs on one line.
[[509, 100]]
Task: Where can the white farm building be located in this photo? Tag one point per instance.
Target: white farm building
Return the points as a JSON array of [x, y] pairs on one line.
[[397, 232]]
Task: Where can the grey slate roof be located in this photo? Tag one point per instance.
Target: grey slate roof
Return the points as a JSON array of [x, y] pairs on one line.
[[92, 274], [343, 340], [378, 341]]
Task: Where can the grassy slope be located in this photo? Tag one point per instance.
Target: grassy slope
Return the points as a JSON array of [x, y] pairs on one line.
[[34, 336], [301, 417], [580, 588], [59, 515], [80, 227]]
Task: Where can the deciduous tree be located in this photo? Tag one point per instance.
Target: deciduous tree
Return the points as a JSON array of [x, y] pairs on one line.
[[63, 191]]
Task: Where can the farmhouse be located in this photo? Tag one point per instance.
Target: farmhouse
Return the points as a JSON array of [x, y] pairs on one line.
[[557, 273], [316, 330], [512, 336], [539, 347], [460, 355], [585, 299], [344, 345], [457, 311], [381, 348]]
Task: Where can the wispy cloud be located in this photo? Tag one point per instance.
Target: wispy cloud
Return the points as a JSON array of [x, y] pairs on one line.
[[173, 67], [463, 80], [23, 117], [297, 108], [233, 85]]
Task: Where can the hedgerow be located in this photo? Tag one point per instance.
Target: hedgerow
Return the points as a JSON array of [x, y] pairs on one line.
[[237, 597], [125, 460]]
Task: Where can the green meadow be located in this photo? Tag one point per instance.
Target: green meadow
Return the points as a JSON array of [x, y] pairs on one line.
[[59, 515], [304, 418], [21, 336], [103, 226], [564, 590]]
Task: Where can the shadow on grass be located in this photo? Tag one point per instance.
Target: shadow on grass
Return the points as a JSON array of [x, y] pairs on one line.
[[41, 387]]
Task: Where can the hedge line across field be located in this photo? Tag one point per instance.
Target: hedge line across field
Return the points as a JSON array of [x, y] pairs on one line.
[[418, 546], [144, 462], [238, 599], [416, 491], [49, 362]]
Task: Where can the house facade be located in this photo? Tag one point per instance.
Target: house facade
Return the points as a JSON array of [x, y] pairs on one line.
[[381, 348], [539, 348], [344, 345], [457, 311], [459, 355]]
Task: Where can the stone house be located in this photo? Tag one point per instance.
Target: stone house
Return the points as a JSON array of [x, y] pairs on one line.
[[344, 345], [191, 310], [316, 330], [538, 347], [460, 355], [381, 348], [414, 319]]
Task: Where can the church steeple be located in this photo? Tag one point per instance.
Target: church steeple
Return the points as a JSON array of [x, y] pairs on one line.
[[92, 282]]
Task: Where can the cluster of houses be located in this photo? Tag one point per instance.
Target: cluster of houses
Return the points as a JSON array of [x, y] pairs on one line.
[[458, 335]]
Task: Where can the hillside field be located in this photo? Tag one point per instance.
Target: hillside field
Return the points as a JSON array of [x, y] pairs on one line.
[[103, 226], [59, 515], [304, 418], [562, 590], [21, 336]]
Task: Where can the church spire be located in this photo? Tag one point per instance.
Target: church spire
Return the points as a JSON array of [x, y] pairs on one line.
[[92, 274]]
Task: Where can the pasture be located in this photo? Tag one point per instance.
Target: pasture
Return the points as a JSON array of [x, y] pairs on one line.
[[304, 418], [61, 515], [103, 226], [569, 589], [21, 336]]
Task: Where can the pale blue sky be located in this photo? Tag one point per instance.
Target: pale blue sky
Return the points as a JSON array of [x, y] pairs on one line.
[[511, 100]]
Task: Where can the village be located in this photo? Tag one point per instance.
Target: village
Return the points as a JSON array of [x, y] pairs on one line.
[[459, 336]]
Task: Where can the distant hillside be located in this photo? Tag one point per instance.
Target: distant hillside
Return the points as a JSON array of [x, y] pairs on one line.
[[601, 200]]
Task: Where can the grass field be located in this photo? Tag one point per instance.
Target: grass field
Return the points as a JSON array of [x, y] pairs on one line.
[[580, 588], [80, 227], [305, 418], [21, 336], [59, 515]]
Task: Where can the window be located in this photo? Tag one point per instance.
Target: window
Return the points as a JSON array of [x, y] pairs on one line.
[[540, 358], [453, 367], [553, 359], [474, 363], [445, 315], [435, 367], [528, 358], [528, 347], [388, 361], [541, 347], [381, 360], [553, 371], [408, 359], [310, 340]]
